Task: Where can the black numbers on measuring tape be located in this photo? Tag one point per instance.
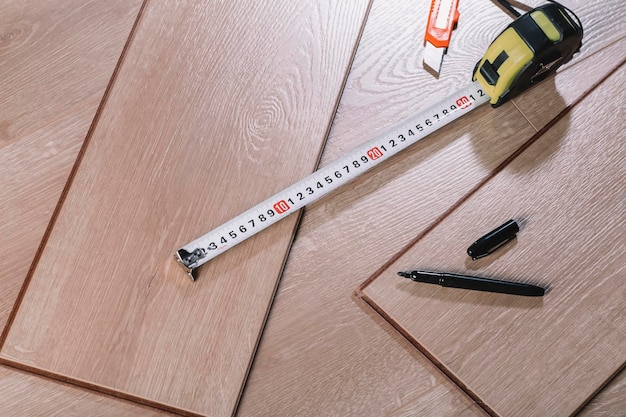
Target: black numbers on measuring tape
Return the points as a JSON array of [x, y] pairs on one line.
[[436, 117], [263, 217], [328, 179], [243, 228], [480, 92]]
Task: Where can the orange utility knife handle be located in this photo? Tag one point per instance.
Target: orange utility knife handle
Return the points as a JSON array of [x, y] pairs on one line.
[[443, 16]]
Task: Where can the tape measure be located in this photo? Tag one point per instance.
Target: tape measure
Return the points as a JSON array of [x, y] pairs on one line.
[[496, 79], [531, 48]]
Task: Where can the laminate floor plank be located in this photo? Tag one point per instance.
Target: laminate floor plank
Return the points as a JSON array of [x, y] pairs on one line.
[[320, 354], [216, 107], [521, 355], [542, 104], [611, 401], [373, 100], [24, 394], [56, 59]]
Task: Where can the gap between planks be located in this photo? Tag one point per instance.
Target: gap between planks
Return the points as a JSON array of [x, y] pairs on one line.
[[578, 61], [34, 371]]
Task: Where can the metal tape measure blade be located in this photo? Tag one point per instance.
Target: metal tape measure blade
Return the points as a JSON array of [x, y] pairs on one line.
[[329, 178]]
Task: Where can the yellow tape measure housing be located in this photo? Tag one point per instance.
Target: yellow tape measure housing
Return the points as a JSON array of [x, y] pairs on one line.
[[527, 51]]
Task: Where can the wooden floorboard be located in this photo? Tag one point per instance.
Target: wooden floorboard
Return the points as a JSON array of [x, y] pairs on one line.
[[56, 59], [25, 394], [566, 189], [216, 107]]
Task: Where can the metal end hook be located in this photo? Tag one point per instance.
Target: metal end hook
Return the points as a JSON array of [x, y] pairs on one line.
[[190, 271]]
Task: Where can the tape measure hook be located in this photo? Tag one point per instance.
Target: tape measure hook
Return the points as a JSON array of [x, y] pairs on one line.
[[189, 260]]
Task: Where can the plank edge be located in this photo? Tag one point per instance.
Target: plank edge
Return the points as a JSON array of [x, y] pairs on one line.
[[69, 181]]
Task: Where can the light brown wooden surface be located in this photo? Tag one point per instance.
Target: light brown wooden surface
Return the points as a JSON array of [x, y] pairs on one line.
[[557, 350], [611, 401], [56, 59], [27, 395], [542, 104], [322, 354], [200, 124]]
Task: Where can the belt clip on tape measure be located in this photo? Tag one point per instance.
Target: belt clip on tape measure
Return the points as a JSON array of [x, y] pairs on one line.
[[531, 48]]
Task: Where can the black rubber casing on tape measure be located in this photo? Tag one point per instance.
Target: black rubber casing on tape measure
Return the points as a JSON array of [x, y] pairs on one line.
[[530, 49]]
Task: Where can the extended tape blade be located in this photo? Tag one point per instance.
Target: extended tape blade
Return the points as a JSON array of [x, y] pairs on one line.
[[329, 178]]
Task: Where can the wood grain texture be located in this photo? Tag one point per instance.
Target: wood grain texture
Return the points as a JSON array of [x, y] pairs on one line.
[[56, 59], [380, 92], [34, 170], [320, 354], [24, 394], [216, 107], [531, 356], [557, 93], [611, 401]]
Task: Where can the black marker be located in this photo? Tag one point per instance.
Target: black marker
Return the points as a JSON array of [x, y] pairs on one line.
[[474, 283], [493, 240]]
